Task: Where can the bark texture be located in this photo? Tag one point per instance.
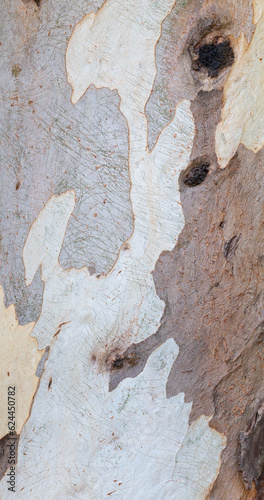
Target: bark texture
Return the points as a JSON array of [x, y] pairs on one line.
[[132, 247]]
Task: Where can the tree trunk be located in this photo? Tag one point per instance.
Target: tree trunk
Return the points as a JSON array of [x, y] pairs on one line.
[[132, 322]]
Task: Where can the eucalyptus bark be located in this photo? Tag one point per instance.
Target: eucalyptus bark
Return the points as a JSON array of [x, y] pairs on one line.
[[132, 258]]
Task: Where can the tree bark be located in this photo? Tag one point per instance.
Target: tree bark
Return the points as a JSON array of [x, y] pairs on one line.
[[131, 247]]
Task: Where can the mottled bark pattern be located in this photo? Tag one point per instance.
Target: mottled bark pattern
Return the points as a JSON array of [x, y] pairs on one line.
[[211, 282]]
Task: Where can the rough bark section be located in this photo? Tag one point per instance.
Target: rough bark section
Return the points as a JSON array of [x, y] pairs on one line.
[[212, 285], [237, 399], [251, 453]]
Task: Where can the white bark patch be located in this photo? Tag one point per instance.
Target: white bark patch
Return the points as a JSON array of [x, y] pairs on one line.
[[19, 361], [116, 49], [243, 111], [82, 441], [125, 442], [192, 475], [47, 243]]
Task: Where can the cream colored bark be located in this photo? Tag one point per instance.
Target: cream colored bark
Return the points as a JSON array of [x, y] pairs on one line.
[[19, 360]]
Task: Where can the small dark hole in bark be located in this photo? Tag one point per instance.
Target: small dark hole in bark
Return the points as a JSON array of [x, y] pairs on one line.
[[124, 361], [215, 56], [18, 185], [37, 2], [118, 363], [196, 174], [50, 383]]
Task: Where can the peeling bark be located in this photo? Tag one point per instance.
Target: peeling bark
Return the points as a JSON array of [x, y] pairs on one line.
[[131, 232]]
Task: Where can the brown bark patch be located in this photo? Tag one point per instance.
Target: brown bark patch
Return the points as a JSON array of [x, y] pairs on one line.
[[237, 399], [251, 455], [212, 284]]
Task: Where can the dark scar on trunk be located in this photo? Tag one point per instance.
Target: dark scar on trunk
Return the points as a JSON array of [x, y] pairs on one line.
[[215, 56], [251, 452], [196, 173], [231, 246]]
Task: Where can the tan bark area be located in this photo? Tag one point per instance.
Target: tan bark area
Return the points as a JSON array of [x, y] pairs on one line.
[[19, 360]]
